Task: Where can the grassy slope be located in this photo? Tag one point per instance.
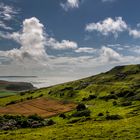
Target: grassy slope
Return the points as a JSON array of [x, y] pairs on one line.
[[117, 80]]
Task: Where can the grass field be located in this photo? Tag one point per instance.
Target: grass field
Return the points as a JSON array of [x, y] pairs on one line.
[[113, 99]]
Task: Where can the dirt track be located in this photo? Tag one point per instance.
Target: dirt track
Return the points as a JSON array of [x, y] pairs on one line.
[[41, 106]]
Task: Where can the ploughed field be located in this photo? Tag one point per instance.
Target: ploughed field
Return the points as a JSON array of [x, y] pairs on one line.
[[41, 106]]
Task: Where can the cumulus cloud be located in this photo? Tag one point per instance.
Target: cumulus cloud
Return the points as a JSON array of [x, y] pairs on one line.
[[70, 4], [134, 33], [108, 26], [107, 54], [112, 26], [32, 41], [64, 44], [85, 50]]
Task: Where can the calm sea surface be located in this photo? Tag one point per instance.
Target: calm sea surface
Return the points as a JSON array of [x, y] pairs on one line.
[[39, 81]]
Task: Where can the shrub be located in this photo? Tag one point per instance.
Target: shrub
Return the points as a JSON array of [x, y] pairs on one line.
[[29, 98], [9, 122], [82, 113], [40, 95], [127, 103], [74, 120], [111, 96], [80, 107], [62, 116], [114, 103], [49, 122], [90, 97], [100, 114], [113, 117], [79, 120], [35, 117], [84, 99], [22, 93], [12, 102]]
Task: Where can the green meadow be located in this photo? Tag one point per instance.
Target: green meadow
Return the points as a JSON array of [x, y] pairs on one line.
[[112, 98]]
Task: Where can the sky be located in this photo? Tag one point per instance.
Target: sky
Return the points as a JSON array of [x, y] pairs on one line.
[[68, 38]]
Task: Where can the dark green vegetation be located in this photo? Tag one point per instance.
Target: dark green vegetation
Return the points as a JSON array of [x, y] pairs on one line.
[[8, 122], [108, 108], [12, 88]]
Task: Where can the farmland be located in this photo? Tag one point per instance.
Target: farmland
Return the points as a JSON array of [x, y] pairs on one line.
[[41, 106]]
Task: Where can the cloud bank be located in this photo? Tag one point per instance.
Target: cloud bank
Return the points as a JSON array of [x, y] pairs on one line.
[[35, 41]]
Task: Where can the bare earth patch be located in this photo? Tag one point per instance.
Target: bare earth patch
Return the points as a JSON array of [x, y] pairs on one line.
[[40, 106]]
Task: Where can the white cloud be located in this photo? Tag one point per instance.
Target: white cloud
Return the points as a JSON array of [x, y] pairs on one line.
[[64, 44], [134, 33], [32, 40], [7, 12], [113, 26], [4, 26], [70, 4], [108, 0], [108, 26], [108, 54], [138, 25], [85, 50]]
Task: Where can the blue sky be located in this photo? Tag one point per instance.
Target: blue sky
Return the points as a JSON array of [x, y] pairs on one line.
[[70, 38]]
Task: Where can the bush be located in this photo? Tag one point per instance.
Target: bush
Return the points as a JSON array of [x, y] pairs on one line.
[[40, 95], [29, 98], [9, 122], [35, 117], [62, 116], [49, 122], [113, 117], [114, 103], [80, 107], [74, 120], [108, 97], [125, 93], [127, 103], [100, 114], [90, 97], [82, 113], [12, 102], [79, 120], [22, 93]]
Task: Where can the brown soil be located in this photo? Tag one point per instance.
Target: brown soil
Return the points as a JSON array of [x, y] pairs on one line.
[[40, 106]]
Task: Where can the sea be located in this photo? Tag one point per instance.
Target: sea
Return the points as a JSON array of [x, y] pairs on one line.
[[38, 82]]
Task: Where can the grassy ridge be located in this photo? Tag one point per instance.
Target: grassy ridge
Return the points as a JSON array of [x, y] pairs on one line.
[[114, 93]]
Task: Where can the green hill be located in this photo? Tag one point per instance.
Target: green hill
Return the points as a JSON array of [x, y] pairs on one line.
[[112, 101], [10, 88]]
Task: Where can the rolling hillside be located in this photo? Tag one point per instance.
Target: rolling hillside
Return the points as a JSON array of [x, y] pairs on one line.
[[11, 88], [111, 99]]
